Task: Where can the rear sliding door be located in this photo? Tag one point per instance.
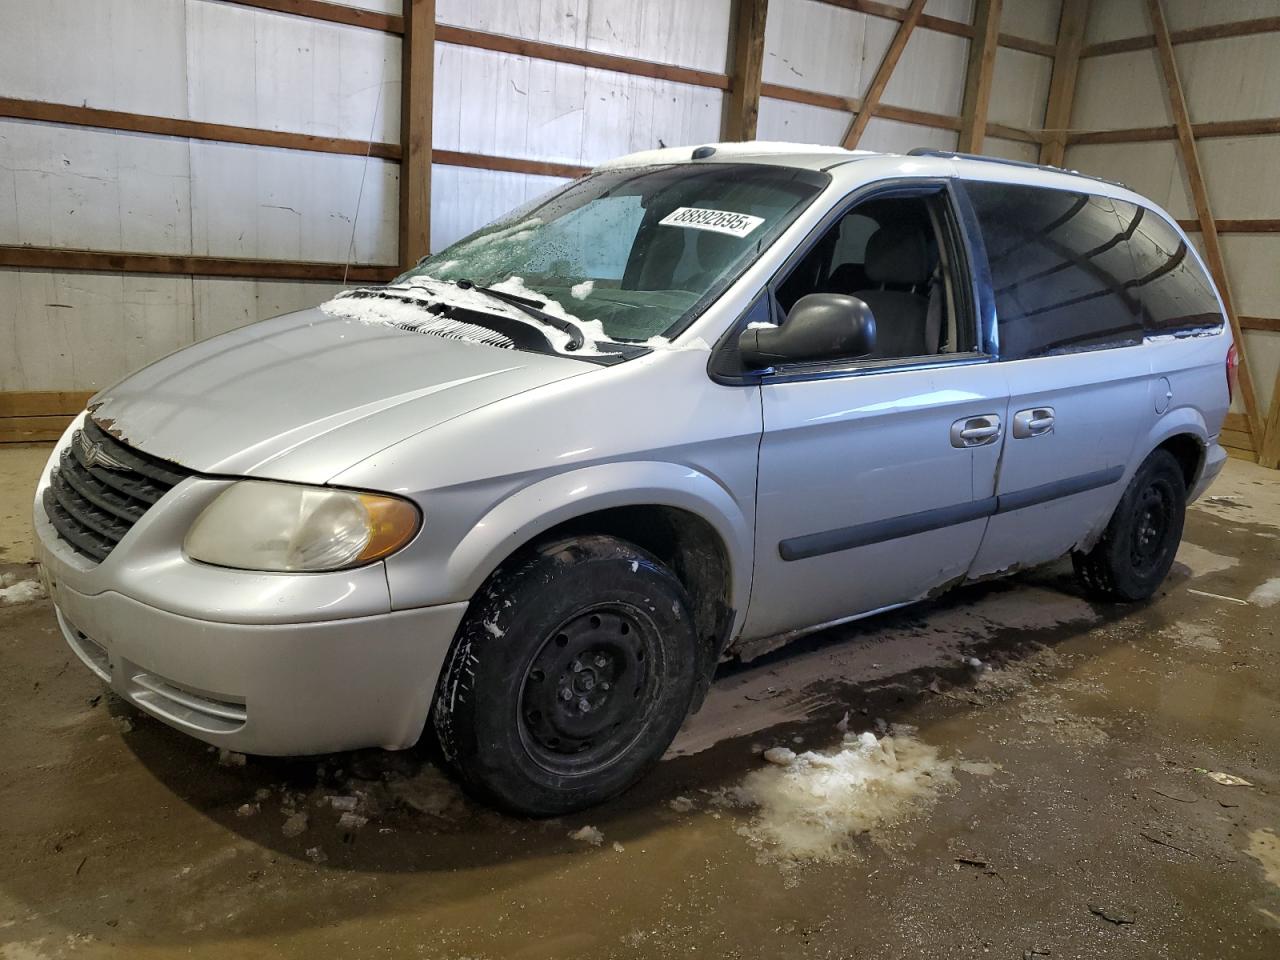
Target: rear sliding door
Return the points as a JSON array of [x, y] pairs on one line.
[[1069, 323]]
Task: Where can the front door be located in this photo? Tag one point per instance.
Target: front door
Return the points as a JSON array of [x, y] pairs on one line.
[[877, 474]]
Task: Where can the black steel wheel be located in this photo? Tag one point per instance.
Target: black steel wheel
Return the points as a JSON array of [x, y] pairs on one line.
[[1135, 553], [571, 674]]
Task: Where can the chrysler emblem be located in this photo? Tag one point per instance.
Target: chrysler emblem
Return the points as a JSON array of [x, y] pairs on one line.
[[92, 454]]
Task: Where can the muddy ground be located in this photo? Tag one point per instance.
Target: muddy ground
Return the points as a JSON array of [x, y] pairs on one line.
[[1057, 799]]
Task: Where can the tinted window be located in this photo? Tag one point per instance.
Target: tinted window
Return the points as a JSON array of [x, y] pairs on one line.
[[1175, 294], [1060, 269]]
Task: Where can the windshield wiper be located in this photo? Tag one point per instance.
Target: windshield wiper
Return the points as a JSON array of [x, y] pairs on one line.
[[530, 308]]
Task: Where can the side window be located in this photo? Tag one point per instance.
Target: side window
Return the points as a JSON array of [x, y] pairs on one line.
[[1060, 269], [890, 253], [1175, 294]]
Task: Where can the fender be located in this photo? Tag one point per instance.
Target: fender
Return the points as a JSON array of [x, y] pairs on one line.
[[537, 508], [1175, 421]]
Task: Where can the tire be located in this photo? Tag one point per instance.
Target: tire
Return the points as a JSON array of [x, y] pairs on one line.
[[570, 675], [1137, 549]]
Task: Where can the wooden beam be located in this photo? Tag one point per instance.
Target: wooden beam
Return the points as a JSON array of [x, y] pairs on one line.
[[32, 429], [579, 57], [417, 62], [479, 161], [978, 73], [1269, 448], [881, 79], [331, 12], [53, 258], [746, 59], [1200, 195], [1027, 45], [1264, 324], [1260, 127], [78, 116], [43, 403], [1062, 84], [1236, 226], [1213, 31], [1236, 421]]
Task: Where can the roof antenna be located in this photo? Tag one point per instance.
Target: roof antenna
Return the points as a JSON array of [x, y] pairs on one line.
[[355, 219]]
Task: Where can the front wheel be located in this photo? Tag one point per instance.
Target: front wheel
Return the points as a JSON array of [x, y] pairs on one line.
[[570, 676], [1137, 549]]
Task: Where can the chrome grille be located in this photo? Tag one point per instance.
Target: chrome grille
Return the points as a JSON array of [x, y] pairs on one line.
[[101, 488]]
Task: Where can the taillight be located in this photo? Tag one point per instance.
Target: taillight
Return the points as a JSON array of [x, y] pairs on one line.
[[1233, 372]]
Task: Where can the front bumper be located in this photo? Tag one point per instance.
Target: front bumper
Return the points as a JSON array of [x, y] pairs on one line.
[[276, 689], [276, 664]]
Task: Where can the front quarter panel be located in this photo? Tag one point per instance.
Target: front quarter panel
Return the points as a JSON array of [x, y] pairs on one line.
[[655, 430]]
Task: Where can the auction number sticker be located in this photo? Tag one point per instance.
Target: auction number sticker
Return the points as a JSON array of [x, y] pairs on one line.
[[721, 221]]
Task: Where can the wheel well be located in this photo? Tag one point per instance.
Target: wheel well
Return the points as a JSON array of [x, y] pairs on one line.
[[690, 547], [1189, 452]]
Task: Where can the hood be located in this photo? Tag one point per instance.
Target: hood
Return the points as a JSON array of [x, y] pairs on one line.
[[307, 395]]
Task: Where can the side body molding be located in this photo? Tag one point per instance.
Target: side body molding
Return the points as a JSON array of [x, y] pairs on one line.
[[542, 505]]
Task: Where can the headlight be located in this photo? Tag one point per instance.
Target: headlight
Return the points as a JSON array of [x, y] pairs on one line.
[[259, 525]]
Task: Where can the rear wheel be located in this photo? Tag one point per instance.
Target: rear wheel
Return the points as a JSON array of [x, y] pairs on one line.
[[1136, 551], [571, 674]]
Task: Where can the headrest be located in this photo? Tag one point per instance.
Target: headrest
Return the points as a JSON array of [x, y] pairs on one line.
[[898, 253]]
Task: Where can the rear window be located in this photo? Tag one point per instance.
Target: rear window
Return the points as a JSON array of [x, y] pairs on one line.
[[1173, 289], [1061, 270]]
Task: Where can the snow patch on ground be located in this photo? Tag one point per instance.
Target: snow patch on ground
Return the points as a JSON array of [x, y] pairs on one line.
[[1267, 595], [591, 835], [813, 805], [13, 590]]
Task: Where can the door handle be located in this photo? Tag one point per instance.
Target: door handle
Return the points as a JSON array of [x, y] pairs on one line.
[[1035, 422], [975, 431]]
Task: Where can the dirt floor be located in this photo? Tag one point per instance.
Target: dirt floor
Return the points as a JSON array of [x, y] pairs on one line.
[[1058, 795]]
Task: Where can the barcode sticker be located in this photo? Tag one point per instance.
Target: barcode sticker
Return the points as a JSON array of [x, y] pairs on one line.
[[720, 221]]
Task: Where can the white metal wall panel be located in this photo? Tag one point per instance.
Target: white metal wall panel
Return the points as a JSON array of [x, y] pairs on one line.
[[114, 56], [464, 199], [1019, 88], [930, 75], [815, 46], [800, 123], [1184, 14], [83, 331], [1152, 169], [890, 136], [1116, 19], [1240, 174], [1033, 19], [1263, 350], [505, 105], [1120, 90], [1231, 79], [288, 205], [1011, 149], [377, 6], [688, 33], [224, 303], [91, 189], [259, 69]]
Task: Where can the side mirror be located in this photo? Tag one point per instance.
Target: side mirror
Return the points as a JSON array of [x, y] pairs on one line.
[[820, 326]]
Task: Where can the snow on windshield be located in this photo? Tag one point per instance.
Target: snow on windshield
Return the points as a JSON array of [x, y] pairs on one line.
[[405, 305]]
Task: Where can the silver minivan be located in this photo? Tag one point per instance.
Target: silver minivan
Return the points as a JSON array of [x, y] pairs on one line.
[[692, 404]]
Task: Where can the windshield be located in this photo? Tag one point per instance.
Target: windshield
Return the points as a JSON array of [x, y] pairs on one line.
[[634, 254]]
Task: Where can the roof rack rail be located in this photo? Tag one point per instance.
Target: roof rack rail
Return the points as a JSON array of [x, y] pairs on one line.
[[932, 152]]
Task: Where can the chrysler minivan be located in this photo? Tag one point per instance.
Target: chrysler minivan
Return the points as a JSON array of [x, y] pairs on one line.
[[693, 404]]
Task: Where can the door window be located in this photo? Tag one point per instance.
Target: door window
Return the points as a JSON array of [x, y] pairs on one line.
[[891, 253], [1061, 269]]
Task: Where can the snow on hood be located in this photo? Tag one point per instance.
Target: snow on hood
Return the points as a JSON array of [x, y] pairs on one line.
[[406, 311]]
